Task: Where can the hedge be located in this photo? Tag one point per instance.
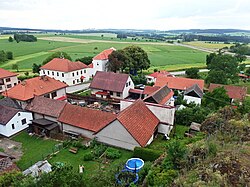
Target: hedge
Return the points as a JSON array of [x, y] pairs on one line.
[[146, 154]]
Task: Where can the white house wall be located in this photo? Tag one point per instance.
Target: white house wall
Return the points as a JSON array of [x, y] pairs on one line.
[[116, 135], [7, 130], [7, 85], [190, 99], [126, 89], [99, 65], [83, 132], [164, 129]]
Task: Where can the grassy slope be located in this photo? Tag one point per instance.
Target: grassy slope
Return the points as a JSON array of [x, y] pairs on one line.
[[208, 45]]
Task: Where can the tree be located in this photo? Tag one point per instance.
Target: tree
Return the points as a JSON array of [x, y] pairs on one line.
[[10, 39], [36, 68], [86, 60], [225, 65], [240, 57], [3, 56], [209, 58], [118, 60], [9, 55], [56, 55], [216, 76], [192, 73], [216, 99], [15, 67], [138, 58], [248, 72]]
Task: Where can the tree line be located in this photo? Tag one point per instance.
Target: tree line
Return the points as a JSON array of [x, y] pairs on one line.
[[23, 37], [5, 55]]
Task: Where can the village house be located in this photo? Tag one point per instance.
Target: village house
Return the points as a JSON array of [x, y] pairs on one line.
[[151, 78], [99, 61], [235, 93], [76, 120], [13, 120], [37, 86], [64, 70], [45, 113], [7, 80], [111, 85], [135, 126], [192, 89]]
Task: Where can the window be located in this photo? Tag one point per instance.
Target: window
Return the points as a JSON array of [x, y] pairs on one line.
[[53, 73], [9, 86], [15, 84], [53, 95], [73, 74], [73, 82], [97, 64], [111, 93], [18, 114], [118, 94], [48, 72], [77, 73], [84, 71], [13, 126], [81, 72], [62, 74], [57, 73], [46, 95], [1, 87], [1, 82], [129, 83], [7, 80], [43, 72], [126, 84], [23, 121]]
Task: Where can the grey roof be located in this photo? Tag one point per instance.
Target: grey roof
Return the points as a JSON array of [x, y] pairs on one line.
[[37, 168], [7, 113], [195, 126], [159, 95], [196, 89], [10, 103]]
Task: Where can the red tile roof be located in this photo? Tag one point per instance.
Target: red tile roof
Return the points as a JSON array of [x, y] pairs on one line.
[[109, 81], [234, 92], [46, 106], [104, 54], [4, 73], [178, 83], [150, 89], [85, 118], [159, 73], [34, 87], [136, 91], [64, 65], [139, 121], [90, 65]]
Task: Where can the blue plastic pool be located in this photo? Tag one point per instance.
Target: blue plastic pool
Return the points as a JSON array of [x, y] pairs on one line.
[[134, 164]]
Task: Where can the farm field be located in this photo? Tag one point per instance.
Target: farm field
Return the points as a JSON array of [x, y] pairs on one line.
[[162, 56], [207, 45]]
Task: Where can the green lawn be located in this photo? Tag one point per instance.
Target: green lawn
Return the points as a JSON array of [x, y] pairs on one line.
[[169, 57], [34, 149], [208, 45]]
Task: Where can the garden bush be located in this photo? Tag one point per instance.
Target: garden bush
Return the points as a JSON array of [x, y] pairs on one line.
[[146, 154], [113, 153], [99, 150], [88, 157]]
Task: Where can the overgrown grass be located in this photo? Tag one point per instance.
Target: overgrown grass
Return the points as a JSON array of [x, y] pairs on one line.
[[34, 149]]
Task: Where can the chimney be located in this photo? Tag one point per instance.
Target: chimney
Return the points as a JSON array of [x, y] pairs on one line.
[[23, 83]]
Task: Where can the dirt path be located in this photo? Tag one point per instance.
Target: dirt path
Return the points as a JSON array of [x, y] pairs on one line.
[[86, 41]]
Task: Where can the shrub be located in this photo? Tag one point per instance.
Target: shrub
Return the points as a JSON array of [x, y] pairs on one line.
[[146, 154], [112, 153], [99, 150], [88, 157], [77, 144]]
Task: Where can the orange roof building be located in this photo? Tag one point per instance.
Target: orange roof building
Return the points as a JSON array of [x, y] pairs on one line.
[[134, 126], [178, 83], [104, 54], [37, 86], [7, 80]]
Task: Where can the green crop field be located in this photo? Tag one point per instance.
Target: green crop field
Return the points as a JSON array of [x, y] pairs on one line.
[[208, 45], [162, 56]]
